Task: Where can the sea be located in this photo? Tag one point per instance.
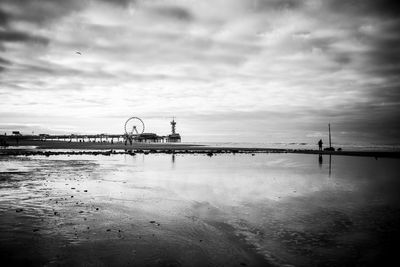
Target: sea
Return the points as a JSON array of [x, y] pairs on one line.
[[304, 146], [278, 145]]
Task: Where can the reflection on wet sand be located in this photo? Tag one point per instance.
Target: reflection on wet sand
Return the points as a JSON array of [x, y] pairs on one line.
[[228, 210], [321, 161]]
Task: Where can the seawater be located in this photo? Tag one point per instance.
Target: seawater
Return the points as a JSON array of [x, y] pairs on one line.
[[195, 210], [305, 145]]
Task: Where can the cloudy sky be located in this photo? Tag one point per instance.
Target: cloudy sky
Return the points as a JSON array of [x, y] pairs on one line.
[[265, 70]]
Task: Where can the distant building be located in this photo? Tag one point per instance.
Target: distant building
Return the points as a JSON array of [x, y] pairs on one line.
[[16, 133], [173, 137], [148, 138]]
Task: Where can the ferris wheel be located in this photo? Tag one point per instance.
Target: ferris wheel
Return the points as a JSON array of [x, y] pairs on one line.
[[134, 126]]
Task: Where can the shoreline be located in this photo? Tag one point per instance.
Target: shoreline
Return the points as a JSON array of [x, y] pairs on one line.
[[85, 148]]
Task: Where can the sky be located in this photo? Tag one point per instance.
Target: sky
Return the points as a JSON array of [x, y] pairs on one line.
[[227, 70]]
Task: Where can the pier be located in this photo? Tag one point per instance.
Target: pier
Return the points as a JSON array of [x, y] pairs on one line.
[[94, 138], [134, 132]]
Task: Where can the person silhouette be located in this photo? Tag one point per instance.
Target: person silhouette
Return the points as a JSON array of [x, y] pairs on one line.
[[320, 145]]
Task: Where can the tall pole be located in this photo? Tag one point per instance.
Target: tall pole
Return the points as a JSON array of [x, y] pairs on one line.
[[330, 143]]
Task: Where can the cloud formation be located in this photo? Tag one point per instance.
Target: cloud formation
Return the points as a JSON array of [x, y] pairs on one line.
[[279, 69]]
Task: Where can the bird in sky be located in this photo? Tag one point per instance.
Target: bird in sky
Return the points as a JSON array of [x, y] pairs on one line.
[[79, 53]]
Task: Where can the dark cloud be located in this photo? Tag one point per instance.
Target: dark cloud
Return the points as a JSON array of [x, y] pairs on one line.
[[119, 2], [376, 26], [4, 17], [386, 96], [4, 61], [322, 43], [173, 12], [40, 11], [265, 5], [38, 70], [342, 58], [56, 70], [17, 36], [385, 53], [378, 121], [3, 64], [305, 41], [365, 7]]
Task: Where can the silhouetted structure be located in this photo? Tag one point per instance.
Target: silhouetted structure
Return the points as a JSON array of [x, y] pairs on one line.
[[173, 137], [148, 137], [330, 148], [133, 133]]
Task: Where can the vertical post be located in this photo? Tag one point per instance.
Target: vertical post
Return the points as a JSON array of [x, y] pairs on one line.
[[330, 143]]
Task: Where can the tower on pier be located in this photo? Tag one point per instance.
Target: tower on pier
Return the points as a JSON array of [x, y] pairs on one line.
[[174, 137], [173, 124]]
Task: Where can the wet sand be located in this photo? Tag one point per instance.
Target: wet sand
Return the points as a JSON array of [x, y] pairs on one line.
[[73, 212], [194, 210]]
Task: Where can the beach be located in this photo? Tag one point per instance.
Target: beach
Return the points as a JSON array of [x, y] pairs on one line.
[[158, 209]]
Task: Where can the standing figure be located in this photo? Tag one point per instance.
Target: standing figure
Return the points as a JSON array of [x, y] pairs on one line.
[[320, 145]]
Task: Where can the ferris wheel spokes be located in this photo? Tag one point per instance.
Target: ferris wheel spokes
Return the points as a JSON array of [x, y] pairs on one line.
[[134, 126], [134, 129]]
